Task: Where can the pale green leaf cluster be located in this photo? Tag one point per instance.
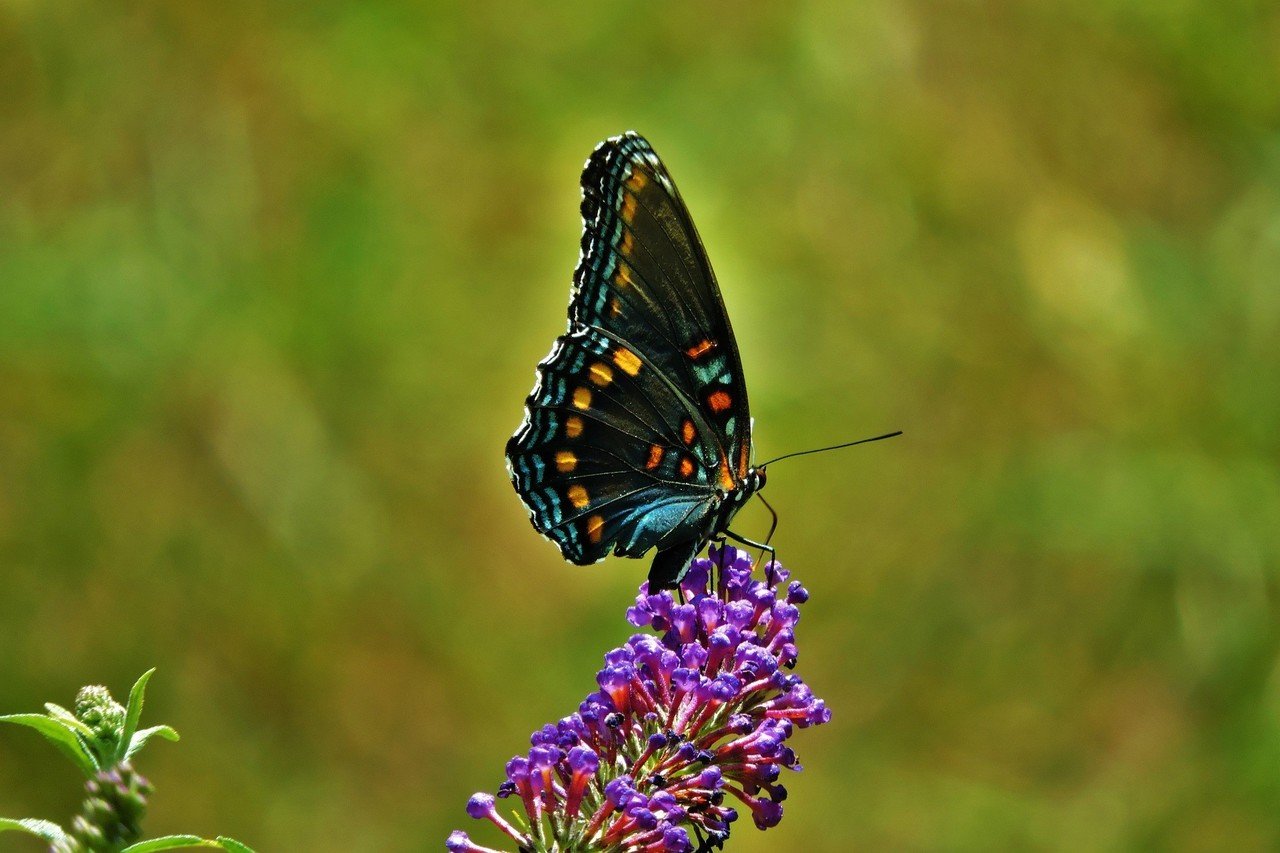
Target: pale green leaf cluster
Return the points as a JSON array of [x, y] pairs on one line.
[[94, 752]]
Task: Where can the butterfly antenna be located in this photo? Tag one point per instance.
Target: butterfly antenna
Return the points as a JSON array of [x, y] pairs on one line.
[[832, 447]]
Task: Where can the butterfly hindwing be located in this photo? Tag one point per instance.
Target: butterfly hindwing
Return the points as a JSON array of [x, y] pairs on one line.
[[606, 457]]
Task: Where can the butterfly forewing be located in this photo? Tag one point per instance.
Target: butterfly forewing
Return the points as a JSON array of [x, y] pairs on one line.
[[644, 275]]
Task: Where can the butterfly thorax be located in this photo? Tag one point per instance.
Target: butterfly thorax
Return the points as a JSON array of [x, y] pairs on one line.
[[735, 499]]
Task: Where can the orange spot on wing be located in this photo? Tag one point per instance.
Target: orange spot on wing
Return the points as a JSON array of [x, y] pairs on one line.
[[595, 528], [687, 431], [700, 349], [686, 467], [720, 401], [726, 476], [578, 496], [638, 179], [655, 457], [744, 459], [573, 426], [601, 374], [627, 360], [582, 398], [615, 308], [624, 245], [566, 461], [622, 277], [628, 210]]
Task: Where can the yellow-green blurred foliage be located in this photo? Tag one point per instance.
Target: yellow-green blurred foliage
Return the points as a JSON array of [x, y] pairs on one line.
[[274, 278]]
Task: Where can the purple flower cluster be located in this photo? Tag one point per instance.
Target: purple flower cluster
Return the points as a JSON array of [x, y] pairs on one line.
[[685, 723]]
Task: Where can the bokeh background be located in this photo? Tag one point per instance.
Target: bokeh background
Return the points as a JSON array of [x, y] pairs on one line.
[[274, 278]]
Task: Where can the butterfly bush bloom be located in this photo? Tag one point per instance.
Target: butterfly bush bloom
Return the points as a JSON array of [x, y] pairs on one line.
[[689, 726]]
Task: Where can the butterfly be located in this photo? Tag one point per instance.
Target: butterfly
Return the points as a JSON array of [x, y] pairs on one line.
[[637, 434]]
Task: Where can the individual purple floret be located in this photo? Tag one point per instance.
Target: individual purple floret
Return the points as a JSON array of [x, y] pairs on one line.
[[685, 721]]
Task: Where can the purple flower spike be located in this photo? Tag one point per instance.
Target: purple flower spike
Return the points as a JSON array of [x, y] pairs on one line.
[[765, 813], [459, 842], [690, 716], [620, 791], [583, 764], [481, 806], [676, 840]]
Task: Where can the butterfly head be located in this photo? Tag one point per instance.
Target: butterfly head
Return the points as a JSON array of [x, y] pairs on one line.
[[750, 484]]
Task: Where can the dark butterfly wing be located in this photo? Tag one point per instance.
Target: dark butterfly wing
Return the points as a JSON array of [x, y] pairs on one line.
[[645, 277], [602, 459], [640, 413]]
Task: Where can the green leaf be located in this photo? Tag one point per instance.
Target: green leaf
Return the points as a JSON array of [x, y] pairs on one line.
[[140, 739], [171, 842], [65, 717], [133, 713], [174, 842], [60, 735], [48, 830]]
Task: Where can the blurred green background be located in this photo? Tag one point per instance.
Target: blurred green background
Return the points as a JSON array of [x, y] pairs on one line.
[[274, 278]]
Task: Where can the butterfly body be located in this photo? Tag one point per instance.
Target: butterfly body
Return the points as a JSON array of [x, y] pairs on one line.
[[637, 434]]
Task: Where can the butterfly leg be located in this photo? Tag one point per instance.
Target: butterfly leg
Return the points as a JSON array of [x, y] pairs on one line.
[[773, 525], [764, 547]]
